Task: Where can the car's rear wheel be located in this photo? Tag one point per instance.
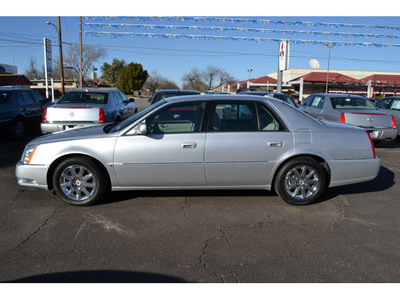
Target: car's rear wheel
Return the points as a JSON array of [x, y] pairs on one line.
[[300, 181], [79, 181], [18, 129]]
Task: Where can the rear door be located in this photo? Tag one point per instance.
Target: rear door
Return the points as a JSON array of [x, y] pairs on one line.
[[244, 143], [30, 107]]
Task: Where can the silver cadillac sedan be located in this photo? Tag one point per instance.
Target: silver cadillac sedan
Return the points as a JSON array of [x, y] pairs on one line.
[[354, 110], [202, 142]]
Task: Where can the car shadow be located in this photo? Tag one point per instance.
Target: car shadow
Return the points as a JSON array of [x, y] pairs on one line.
[[382, 182], [99, 276]]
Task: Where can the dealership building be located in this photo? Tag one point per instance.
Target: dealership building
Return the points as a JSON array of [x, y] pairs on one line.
[[306, 81]]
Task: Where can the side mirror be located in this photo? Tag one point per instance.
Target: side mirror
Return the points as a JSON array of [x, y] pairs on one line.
[[131, 99], [141, 128]]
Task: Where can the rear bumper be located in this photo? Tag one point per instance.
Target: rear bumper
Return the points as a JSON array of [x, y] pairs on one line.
[[378, 134], [54, 127], [345, 172]]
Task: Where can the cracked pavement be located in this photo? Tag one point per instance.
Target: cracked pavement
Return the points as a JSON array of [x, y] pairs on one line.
[[352, 235]]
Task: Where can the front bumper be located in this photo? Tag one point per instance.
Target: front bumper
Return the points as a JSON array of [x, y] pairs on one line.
[[34, 176]]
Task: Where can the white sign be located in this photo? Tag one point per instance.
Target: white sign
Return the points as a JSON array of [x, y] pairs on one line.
[[283, 55]]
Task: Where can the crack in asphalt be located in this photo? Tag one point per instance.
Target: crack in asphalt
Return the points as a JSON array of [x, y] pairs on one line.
[[36, 231], [222, 236], [342, 212]]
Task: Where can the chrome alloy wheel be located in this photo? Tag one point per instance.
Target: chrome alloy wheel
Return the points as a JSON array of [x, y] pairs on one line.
[[301, 182], [77, 182]]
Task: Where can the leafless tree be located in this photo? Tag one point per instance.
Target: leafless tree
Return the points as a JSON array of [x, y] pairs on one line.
[[194, 81], [33, 72], [215, 77], [71, 58]]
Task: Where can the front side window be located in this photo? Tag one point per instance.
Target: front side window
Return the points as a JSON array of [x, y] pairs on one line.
[[384, 103], [26, 98], [177, 118]]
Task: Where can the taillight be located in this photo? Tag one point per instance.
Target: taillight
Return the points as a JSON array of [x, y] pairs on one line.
[[372, 144], [342, 118], [394, 123], [44, 116], [102, 118]]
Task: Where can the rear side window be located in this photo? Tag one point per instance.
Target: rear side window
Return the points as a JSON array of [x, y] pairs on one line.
[[234, 116], [4, 97], [396, 104]]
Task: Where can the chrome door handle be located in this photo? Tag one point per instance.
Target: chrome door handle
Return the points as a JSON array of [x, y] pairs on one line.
[[189, 145], [275, 144]]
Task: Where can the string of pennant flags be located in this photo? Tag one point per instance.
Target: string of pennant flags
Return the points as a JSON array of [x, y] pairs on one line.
[[257, 30], [244, 20], [101, 24], [236, 38]]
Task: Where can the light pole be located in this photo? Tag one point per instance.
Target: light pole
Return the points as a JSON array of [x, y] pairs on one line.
[[249, 70], [330, 46], [58, 29]]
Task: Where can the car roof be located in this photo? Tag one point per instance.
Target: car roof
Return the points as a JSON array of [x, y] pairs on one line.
[[213, 97], [177, 91]]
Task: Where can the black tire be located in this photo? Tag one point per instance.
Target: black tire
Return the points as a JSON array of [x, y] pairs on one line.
[[300, 181], [18, 129], [79, 181]]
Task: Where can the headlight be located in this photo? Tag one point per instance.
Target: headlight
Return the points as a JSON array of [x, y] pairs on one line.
[[28, 154]]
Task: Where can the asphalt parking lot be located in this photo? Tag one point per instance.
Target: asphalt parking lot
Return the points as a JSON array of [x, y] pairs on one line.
[[351, 235]]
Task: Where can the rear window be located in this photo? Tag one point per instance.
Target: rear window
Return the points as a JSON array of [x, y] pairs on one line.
[[4, 96], [85, 97], [351, 103]]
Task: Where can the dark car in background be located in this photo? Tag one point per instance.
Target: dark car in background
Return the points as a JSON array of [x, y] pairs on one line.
[[281, 96], [160, 95], [21, 109]]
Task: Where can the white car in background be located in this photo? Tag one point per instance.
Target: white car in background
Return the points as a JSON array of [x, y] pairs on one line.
[[85, 108]]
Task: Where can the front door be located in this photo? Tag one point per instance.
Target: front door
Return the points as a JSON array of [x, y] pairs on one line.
[[171, 152]]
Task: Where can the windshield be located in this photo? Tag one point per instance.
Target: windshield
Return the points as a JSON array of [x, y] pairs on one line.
[[4, 96], [85, 97], [121, 125], [351, 103]]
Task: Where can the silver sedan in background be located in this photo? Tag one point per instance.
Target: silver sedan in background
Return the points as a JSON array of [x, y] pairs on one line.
[[354, 110], [202, 142], [85, 108], [390, 105]]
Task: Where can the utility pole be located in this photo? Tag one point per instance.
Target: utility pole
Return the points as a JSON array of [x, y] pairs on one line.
[[330, 46], [80, 53]]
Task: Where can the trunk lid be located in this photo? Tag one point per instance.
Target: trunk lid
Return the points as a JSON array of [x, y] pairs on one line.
[[368, 119], [73, 113]]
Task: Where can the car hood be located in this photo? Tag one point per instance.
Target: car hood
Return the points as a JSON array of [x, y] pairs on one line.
[[75, 134]]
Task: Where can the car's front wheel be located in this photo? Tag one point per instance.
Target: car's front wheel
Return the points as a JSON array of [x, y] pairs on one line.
[[79, 181], [300, 181]]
